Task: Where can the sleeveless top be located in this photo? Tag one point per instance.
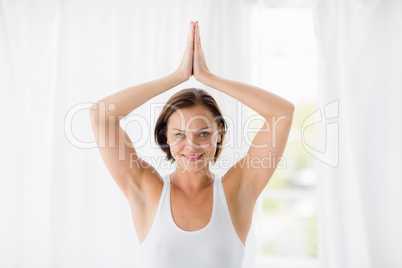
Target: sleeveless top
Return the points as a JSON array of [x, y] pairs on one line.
[[217, 245]]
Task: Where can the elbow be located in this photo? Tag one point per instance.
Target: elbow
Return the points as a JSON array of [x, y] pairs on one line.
[[289, 109], [93, 111]]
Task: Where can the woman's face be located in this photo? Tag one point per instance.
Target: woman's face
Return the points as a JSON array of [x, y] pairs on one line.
[[192, 135]]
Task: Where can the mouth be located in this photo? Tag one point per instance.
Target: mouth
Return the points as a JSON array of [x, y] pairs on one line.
[[193, 157]]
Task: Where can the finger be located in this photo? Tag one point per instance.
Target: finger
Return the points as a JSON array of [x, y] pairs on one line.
[[191, 26], [190, 38], [197, 35], [191, 30]]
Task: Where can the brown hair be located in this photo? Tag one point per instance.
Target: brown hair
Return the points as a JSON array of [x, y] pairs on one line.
[[187, 98]]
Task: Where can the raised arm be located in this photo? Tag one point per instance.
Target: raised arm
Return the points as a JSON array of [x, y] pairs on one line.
[[115, 146], [253, 172]]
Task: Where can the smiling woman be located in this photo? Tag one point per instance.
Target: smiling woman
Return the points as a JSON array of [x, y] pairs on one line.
[[191, 115], [192, 217]]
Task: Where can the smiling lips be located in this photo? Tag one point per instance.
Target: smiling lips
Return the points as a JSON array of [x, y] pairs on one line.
[[193, 157]]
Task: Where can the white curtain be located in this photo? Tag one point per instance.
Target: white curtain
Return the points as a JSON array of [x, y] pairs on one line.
[[360, 83], [59, 206]]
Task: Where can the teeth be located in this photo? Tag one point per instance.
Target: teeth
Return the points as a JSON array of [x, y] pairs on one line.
[[193, 156]]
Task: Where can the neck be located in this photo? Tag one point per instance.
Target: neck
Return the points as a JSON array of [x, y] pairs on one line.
[[192, 180]]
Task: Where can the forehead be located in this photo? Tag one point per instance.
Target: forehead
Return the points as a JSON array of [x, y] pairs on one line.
[[193, 117]]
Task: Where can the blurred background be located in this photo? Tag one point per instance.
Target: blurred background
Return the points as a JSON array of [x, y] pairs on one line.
[[335, 200]]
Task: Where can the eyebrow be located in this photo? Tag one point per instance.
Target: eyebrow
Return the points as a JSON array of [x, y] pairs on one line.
[[198, 130]]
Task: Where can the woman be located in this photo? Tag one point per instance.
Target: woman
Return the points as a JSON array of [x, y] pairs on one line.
[[192, 217]]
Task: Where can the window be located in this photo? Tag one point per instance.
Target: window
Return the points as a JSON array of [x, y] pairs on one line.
[[284, 62]]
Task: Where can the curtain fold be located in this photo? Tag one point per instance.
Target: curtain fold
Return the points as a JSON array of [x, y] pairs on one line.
[[360, 187], [59, 206]]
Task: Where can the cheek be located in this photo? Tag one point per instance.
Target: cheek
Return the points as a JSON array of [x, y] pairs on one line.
[[174, 147], [211, 145]]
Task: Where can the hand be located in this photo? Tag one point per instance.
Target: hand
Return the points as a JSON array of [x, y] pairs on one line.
[[185, 69], [200, 68]]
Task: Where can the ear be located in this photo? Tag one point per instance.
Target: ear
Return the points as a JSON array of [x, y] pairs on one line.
[[220, 134]]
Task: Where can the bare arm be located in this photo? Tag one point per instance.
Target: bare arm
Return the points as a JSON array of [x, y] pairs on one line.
[[265, 103], [251, 174], [115, 146], [256, 169], [129, 99]]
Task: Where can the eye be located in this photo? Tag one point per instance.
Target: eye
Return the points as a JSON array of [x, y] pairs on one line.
[[204, 134], [180, 135]]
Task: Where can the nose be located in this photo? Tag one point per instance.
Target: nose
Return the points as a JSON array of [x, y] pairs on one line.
[[192, 142]]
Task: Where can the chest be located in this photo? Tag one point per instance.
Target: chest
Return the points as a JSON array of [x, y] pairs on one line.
[[191, 212]]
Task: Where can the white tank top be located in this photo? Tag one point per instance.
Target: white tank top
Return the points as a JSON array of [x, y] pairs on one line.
[[217, 245]]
